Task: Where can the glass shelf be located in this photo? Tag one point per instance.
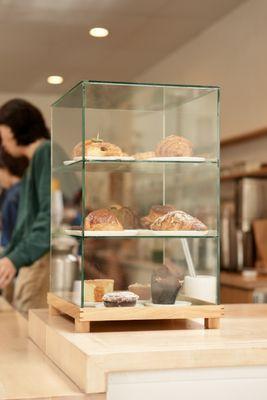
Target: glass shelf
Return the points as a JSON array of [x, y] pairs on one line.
[[141, 233], [128, 165]]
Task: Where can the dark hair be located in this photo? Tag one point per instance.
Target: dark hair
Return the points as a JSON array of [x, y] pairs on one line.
[[15, 166], [25, 121]]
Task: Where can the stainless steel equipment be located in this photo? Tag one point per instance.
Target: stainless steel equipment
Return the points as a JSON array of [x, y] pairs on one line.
[[228, 235], [260, 295], [246, 202], [65, 264], [251, 201]]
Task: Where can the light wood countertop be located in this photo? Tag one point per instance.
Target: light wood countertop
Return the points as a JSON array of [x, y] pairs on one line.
[[241, 341], [25, 372]]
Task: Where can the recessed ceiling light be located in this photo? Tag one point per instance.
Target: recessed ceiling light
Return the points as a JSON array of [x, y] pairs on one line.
[[99, 32], [55, 79]]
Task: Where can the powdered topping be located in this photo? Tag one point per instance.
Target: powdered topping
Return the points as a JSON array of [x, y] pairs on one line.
[[178, 220], [120, 296]]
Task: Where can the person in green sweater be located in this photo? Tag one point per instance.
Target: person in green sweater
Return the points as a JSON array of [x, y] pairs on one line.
[[24, 133]]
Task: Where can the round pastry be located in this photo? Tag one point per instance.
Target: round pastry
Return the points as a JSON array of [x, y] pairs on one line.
[[144, 156], [178, 221], [97, 148], [143, 291], [126, 216], [174, 146], [165, 285], [154, 213], [120, 299], [102, 220]]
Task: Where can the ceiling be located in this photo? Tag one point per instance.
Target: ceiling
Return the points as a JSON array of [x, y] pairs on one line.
[[50, 37]]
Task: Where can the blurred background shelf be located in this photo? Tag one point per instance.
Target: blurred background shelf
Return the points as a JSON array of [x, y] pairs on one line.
[[260, 173], [244, 137]]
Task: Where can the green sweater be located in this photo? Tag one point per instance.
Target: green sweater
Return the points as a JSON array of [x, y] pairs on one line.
[[31, 236]]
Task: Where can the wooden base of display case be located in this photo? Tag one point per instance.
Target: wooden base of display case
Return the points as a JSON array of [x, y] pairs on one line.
[[83, 317]]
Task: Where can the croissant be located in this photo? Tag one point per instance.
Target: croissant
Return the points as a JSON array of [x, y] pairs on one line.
[[178, 221], [174, 146]]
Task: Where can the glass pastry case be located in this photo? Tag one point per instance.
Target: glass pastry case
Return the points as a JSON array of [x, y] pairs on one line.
[[135, 202]]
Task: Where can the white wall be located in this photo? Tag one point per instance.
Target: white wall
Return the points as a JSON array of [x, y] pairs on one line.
[[43, 102], [232, 54]]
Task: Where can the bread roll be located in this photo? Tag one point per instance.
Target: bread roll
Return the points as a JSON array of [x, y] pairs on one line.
[[174, 146], [126, 216], [178, 221], [97, 148], [155, 212], [102, 220]]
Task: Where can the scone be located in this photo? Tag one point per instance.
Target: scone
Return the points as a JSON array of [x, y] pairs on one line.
[[143, 291], [178, 221], [94, 289], [120, 299], [102, 220], [174, 146], [155, 212], [97, 148], [144, 156], [125, 215]]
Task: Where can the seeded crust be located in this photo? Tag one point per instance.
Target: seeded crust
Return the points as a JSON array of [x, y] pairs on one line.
[[102, 220], [178, 221], [174, 146], [97, 149]]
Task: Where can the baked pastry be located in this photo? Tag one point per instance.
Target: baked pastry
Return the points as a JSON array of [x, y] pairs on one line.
[[102, 220], [97, 148], [120, 299], [94, 289], [154, 213], [125, 215], [143, 291], [144, 156], [165, 285], [174, 146], [178, 221]]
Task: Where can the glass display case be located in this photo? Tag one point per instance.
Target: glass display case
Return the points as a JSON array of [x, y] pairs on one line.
[[135, 202]]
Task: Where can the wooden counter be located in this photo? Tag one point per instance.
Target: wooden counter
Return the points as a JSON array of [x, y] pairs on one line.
[[25, 372], [96, 359], [241, 341], [236, 288]]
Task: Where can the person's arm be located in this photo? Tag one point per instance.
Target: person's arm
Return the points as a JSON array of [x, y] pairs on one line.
[[37, 242]]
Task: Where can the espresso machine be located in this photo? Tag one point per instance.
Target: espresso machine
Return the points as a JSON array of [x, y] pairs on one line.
[[243, 201]]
